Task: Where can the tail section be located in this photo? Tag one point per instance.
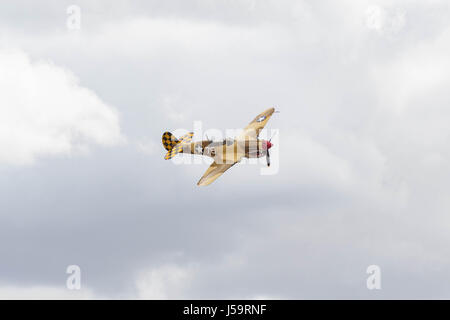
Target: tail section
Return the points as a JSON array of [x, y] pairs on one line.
[[173, 145], [169, 141]]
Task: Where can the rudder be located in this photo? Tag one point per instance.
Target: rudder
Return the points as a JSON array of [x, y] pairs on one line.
[[169, 141], [173, 145]]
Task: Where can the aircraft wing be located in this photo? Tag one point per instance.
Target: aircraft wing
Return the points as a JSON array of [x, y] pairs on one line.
[[214, 171], [254, 127]]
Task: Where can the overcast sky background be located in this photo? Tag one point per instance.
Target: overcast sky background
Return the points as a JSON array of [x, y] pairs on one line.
[[363, 149]]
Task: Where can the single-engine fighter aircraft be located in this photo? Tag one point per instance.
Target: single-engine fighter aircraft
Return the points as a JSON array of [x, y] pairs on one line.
[[225, 153]]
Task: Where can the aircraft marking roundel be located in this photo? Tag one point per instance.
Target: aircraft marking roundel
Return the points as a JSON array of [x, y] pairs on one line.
[[261, 118]]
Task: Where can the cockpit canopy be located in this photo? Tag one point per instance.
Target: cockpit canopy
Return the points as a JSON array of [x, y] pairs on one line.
[[228, 141]]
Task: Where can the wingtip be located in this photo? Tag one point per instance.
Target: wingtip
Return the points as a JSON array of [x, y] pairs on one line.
[[202, 183], [205, 182]]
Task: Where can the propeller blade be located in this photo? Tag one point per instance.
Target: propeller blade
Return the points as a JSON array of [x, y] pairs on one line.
[[268, 158], [273, 136]]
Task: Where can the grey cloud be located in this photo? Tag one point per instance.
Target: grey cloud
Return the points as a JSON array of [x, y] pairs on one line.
[[362, 181]]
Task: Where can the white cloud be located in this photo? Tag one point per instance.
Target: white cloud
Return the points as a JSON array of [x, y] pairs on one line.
[[45, 111], [384, 21], [165, 282], [414, 73], [44, 293], [148, 147], [173, 281], [174, 115]]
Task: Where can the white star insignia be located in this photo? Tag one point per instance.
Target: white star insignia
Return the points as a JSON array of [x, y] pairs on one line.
[[261, 118], [199, 149]]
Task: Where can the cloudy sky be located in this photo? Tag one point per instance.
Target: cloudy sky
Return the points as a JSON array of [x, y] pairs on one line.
[[362, 148]]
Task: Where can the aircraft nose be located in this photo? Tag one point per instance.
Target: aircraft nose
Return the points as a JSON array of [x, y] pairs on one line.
[[269, 145]]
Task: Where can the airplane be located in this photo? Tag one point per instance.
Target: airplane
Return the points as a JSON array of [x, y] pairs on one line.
[[225, 153]]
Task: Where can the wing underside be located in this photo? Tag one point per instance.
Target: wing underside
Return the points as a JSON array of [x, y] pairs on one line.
[[253, 129], [214, 171]]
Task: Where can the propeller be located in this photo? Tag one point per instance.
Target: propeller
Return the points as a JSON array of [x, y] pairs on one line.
[[267, 151], [273, 136]]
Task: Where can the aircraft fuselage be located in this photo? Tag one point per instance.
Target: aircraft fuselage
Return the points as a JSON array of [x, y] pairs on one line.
[[229, 149]]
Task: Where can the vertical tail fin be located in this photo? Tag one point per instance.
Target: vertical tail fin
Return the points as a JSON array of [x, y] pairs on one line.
[[169, 141], [173, 145]]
